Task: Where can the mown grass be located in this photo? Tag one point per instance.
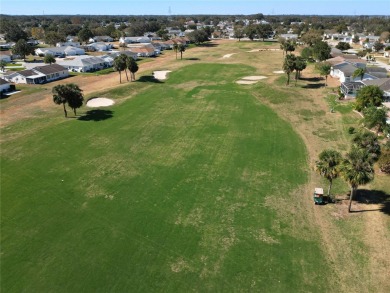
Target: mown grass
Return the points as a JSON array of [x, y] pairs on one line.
[[189, 185]]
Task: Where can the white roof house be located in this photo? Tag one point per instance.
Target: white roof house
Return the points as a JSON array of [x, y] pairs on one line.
[[289, 36], [65, 44], [84, 63], [99, 47], [60, 51], [129, 40]]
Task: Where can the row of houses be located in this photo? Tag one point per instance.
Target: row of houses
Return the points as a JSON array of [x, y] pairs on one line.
[[343, 68]]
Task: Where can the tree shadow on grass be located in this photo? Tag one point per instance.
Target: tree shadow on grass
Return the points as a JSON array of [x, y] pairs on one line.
[[149, 78], [209, 45], [313, 86], [373, 197], [191, 59], [311, 79], [96, 115]]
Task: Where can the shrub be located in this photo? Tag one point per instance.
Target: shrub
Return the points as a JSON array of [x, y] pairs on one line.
[[351, 130], [384, 162]]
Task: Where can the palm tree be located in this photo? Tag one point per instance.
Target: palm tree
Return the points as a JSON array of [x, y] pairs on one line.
[[75, 97], [132, 66], [328, 166], [68, 93], [300, 64], [181, 49], [324, 69], [289, 46], [289, 66], [175, 48], [59, 96], [359, 73], [357, 170], [119, 65]]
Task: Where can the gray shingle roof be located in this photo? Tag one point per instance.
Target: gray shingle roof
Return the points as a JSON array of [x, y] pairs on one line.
[[382, 83], [49, 69]]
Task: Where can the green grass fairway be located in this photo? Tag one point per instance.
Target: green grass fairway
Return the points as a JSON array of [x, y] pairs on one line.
[[191, 185]]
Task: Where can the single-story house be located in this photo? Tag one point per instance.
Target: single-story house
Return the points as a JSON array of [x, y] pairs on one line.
[[69, 43], [5, 86], [52, 71], [370, 39], [289, 36], [83, 63], [343, 71], [127, 53], [26, 76], [130, 40], [144, 51], [101, 39], [99, 47], [60, 51], [350, 88]]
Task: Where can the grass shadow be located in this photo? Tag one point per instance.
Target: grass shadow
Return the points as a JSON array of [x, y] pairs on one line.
[[377, 197], [149, 78], [313, 86], [208, 45], [311, 79], [96, 115]]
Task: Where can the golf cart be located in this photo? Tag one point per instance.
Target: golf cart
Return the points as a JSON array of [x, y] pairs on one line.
[[319, 196]]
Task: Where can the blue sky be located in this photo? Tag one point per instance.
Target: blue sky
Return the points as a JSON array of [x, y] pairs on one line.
[[161, 7]]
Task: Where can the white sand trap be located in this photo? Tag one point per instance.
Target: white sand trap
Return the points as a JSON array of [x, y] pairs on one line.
[[162, 74], [100, 102], [279, 71], [228, 55], [246, 81], [254, 78]]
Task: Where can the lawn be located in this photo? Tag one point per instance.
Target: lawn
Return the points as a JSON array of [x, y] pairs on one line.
[[191, 185]]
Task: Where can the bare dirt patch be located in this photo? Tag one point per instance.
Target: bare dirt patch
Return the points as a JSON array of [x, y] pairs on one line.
[[228, 55], [250, 79]]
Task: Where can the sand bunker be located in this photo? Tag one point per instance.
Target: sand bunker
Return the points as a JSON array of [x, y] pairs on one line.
[[162, 74], [99, 102], [250, 79], [279, 71], [246, 81], [228, 55]]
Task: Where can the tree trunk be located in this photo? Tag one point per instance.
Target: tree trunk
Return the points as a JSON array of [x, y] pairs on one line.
[[176, 55], [74, 110], [326, 80], [288, 79], [127, 77], [296, 77], [66, 113], [350, 199], [181, 55], [329, 188], [120, 77]]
